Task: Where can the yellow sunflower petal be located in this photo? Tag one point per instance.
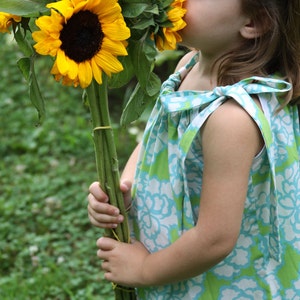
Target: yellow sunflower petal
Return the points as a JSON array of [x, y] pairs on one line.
[[114, 47], [76, 83], [176, 14], [160, 43], [73, 69], [51, 23], [108, 63], [107, 10], [92, 5], [39, 36], [117, 30], [68, 82], [82, 5], [64, 7], [54, 71], [44, 49], [85, 74], [62, 62], [6, 20], [96, 71], [170, 40], [17, 18], [45, 45]]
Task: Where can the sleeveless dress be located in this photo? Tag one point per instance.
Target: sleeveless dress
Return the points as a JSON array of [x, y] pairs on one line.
[[265, 263]]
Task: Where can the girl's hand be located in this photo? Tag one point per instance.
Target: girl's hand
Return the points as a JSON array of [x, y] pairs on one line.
[[101, 213], [123, 263]]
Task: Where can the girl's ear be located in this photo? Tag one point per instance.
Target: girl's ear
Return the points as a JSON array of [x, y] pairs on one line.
[[250, 31]]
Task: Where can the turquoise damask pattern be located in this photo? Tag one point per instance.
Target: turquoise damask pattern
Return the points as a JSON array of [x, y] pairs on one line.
[[265, 262]]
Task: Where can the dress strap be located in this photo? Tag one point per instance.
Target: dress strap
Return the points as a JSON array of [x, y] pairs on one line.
[[174, 80]]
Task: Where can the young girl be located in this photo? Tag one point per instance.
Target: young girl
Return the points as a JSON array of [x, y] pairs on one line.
[[216, 193]]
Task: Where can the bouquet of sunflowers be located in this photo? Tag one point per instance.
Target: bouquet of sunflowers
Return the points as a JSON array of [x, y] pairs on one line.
[[96, 44]]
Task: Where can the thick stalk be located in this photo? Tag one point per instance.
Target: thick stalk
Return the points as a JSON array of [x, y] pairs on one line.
[[107, 166], [106, 155]]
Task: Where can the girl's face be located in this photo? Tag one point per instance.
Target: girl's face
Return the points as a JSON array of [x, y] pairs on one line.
[[213, 26]]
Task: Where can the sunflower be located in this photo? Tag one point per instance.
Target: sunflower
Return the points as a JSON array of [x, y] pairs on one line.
[[6, 20], [170, 34], [85, 37]]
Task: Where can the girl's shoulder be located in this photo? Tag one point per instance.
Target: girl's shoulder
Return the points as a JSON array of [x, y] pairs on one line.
[[233, 125], [186, 59]]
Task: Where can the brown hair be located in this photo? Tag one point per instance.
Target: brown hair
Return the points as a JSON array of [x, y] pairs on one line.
[[276, 50]]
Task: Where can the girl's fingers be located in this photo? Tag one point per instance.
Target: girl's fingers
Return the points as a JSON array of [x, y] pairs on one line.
[[106, 244], [97, 192], [104, 217], [103, 224], [125, 188], [105, 266], [102, 208]]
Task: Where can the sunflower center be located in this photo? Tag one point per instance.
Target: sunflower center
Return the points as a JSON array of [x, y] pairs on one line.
[[82, 36]]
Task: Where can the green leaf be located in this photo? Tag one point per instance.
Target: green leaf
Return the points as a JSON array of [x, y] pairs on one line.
[[166, 3], [22, 42], [144, 23], [120, 79], [164, 21], [133, 10], [24, 66], [168, 55], [135, 105], [152, 9], [23, 7], [35, 93], [142, 54], [153, 86], [134, 2]]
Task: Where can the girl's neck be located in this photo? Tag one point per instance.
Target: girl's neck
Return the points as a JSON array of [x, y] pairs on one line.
[[208, 66], [203, 75]]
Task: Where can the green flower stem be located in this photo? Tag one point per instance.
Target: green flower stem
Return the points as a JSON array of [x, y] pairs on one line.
[[107, 166], [106, 155]]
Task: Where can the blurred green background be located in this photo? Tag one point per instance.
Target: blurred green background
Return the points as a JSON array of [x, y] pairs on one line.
[[47, 245]]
